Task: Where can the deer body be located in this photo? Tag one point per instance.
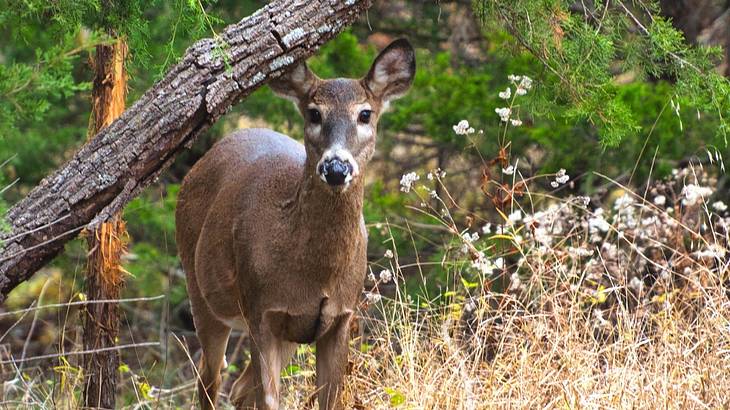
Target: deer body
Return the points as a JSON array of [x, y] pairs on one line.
[[292, 266], [272, 237]]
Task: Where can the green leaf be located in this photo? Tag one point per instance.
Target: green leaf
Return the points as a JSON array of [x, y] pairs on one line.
[[396, 398]]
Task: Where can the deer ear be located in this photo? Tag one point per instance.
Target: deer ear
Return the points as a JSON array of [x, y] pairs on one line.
[[391, 75], [295, 84]]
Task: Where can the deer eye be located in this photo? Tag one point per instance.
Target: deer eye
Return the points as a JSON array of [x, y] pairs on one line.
[[364, 116], [315, 117]]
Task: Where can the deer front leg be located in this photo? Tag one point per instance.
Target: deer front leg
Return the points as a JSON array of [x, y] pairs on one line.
[[244, 390], [332, 350], [267, 361]]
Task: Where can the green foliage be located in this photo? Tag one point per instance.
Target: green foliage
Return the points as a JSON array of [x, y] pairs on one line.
[[582, 55], [153, 255]]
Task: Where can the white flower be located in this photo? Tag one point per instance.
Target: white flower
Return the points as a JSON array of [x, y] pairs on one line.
[[371, 277], [372, 298], [562, 177], [509, 170], [515, 123], [526, 82], [542, 236], [636, 284], [388, 254], [580, 252], [665, 274], [660, 200], [506, 94], [484, 265], [463, 128], [503, 113], [719, 206], [386, 275], [600, 321], [554, 184], [487, 229], [711, 252], [694, 193], [515, 281], [515, 216], [584, 200], [469, 238], [499, 263], [406, 182], [433, 194], [598, 223], [623, 202]]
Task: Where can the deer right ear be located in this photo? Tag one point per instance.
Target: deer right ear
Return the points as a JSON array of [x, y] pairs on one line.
[[294, 84], [391, 75]]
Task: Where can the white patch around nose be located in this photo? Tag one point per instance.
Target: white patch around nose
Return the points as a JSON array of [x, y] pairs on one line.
[[344, 156]]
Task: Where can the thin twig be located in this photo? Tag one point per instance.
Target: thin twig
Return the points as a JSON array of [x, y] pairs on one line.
[[42, 244], [33, 325], [21, 234], [83, 352], [81, 302]]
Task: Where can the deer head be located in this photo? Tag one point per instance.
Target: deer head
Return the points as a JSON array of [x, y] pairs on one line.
[[341, 115]]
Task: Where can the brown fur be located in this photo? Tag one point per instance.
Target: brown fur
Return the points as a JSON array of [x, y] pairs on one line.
[[266, 243]]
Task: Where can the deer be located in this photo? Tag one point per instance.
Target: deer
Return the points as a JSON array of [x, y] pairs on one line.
[[271, 233]]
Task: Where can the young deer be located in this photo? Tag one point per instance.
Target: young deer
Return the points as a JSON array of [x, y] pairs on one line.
[[272, 237]]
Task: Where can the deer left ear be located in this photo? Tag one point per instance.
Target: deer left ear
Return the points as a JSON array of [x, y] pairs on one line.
[[295, 84], [391, 75]]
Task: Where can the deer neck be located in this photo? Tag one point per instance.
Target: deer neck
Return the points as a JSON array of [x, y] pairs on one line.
[[320, 210]]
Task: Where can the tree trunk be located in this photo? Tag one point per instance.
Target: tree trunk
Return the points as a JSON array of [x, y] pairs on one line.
[[705, 22], [104, 274], [128, 155]]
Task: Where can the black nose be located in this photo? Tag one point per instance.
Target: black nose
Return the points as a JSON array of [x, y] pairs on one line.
[[335, 171]]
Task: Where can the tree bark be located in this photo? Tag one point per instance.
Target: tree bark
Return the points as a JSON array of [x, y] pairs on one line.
[[128, 155], [104, 273]]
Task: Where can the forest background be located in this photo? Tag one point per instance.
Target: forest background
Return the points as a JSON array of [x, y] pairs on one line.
[[621, 96]]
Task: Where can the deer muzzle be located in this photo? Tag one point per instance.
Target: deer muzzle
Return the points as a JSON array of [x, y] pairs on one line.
[[337, 168], [336, 172]]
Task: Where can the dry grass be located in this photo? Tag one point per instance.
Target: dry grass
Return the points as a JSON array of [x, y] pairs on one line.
[[548, 356], [628, 307]]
